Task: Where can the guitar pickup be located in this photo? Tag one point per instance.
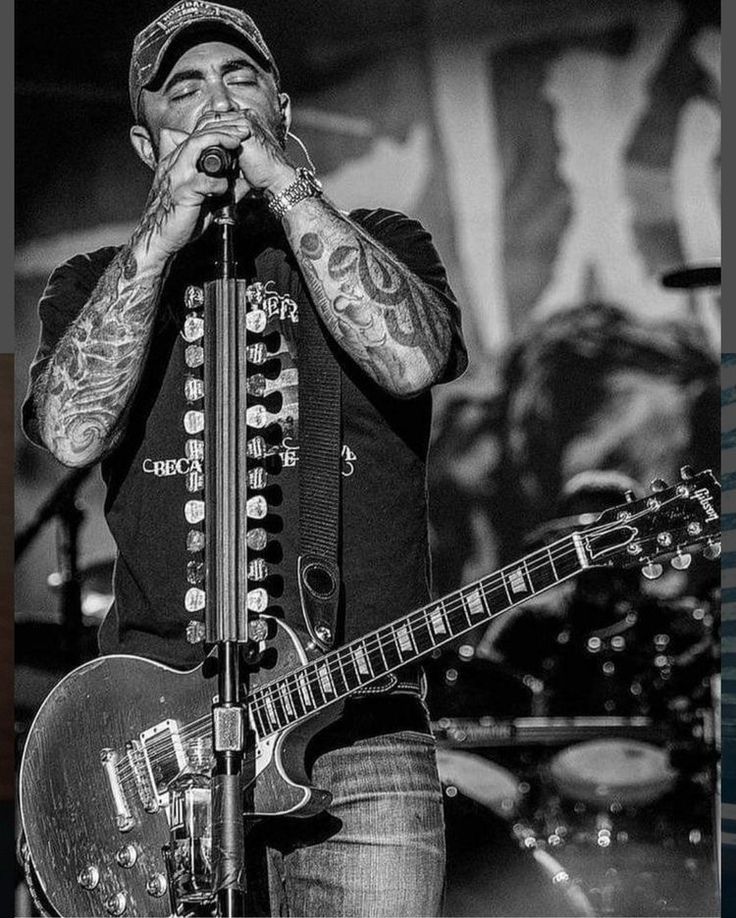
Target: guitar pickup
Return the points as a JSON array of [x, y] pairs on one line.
[[160, 758]]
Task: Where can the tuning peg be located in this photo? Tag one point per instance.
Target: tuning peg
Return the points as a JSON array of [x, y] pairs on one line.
[[712, 551], [681, 561], [659, 484], [687, 472], [630, 497], [652, 571]]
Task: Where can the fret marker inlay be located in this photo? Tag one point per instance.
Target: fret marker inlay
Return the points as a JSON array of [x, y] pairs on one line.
[[474, 603], [437, 622], [517, 581]]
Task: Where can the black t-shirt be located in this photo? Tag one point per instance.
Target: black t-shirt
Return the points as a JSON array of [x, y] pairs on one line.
[[155, 505]]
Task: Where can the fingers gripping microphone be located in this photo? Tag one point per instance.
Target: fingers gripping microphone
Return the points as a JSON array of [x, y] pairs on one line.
[[217, 162]]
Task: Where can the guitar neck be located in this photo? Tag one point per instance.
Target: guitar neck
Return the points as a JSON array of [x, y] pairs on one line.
[[344, 671]]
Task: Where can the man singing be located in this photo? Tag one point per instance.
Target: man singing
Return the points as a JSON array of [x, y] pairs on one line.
[[117, 380]]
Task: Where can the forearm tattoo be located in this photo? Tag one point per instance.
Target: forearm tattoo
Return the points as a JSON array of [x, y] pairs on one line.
[[159, 206], [82, 396], [391, 323]]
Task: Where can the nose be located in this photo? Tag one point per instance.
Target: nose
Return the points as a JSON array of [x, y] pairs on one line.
[[220, 99]]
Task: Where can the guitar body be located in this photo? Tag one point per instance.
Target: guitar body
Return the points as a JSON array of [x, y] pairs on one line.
[[67, 802]]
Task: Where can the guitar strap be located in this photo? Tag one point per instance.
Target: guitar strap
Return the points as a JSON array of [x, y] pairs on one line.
[[320, 438]]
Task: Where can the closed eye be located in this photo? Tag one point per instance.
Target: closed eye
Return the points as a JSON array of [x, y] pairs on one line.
[[182, 94]]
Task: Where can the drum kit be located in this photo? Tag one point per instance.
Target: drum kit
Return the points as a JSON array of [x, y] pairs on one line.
[[579, 763]]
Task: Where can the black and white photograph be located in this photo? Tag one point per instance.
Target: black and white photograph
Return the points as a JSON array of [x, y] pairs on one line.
[[369, 385]]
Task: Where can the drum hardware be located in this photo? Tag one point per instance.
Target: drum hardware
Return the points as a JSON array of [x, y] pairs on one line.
[[490, 732], [489, 873]]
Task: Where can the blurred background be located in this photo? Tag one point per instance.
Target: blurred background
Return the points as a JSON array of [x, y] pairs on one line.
[[565, 156]]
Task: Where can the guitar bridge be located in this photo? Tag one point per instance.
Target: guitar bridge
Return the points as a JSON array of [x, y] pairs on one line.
[[123, 817]]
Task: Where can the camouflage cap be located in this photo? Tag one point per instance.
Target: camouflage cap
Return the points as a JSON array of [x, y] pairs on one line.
[[152, 43]]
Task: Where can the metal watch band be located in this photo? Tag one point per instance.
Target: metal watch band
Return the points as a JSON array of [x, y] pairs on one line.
[[306, 186]]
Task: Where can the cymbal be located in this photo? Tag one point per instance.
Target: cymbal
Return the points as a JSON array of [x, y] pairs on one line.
[[688, 277]]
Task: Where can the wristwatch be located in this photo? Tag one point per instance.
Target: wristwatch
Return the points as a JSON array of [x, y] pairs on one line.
[[307, 185]]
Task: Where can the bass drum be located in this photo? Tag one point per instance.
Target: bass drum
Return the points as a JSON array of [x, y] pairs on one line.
[[489, 873]]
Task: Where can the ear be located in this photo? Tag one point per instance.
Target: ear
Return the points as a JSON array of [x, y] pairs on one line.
[[285, 106], [142, 144]]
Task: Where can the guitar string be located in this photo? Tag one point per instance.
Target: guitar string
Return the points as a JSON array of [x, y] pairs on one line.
[[200, 728], [386, 635]]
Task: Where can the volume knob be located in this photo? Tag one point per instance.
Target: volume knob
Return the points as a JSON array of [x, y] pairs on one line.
[[156, 885], [116, 903], [88, 877]]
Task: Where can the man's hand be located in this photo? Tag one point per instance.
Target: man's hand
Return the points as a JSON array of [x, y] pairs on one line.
[[182, 198]]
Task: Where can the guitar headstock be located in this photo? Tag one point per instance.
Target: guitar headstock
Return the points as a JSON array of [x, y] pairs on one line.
[[668, 523]]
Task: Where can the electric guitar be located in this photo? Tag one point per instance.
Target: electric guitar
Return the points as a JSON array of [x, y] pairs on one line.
[[119, 755]]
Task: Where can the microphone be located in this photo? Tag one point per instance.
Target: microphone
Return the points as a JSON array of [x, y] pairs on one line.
[[217, 162]]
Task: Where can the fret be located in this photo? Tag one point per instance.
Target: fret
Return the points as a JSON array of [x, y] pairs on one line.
[[437, 621], [389, 648], [296, 698], [362, 662], [305, 692], [509, 600], [325, 680], [337, 674], [278, 701], [314, 684], [456, 618], [256, 713], [565, 559], [349, 669], [270, 710], [517, 583], [405, 641], [541, 572], [496, 596], [475, 605], [374, 653], [287, 699], [422, 633]]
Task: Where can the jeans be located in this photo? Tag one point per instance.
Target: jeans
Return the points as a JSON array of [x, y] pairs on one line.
[[380, 849]]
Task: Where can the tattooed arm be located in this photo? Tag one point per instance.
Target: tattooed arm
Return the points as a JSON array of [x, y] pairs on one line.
[[391, 322], [89, 380], [80, 399]]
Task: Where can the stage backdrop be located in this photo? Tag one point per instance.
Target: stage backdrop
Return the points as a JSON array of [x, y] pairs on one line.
[[561, 153]]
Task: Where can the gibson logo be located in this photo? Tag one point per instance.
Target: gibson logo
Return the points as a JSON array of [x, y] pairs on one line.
[[703, 497]]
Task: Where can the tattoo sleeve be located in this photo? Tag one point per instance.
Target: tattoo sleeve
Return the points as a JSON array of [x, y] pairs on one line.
[[82, 395], [388, 320]]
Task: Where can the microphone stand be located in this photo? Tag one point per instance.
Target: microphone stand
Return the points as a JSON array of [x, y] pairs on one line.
[[226, 615]]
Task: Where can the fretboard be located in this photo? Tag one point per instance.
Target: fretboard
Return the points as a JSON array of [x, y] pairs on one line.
[[342, 672]]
